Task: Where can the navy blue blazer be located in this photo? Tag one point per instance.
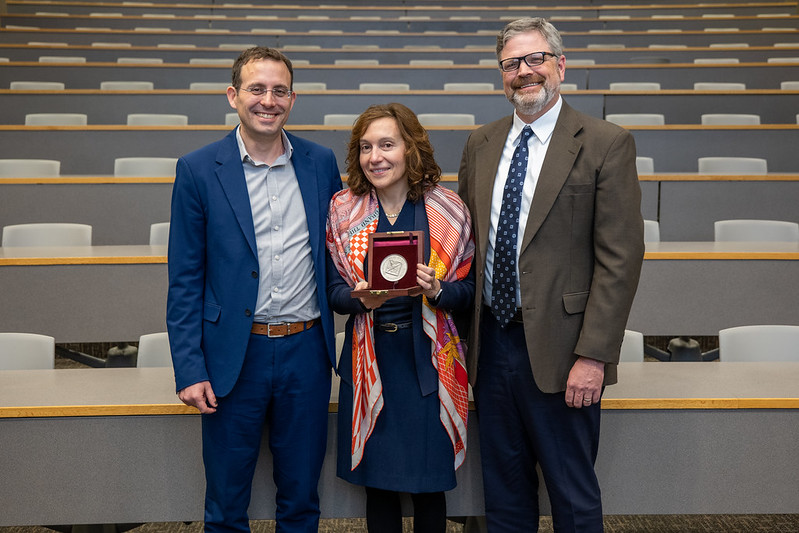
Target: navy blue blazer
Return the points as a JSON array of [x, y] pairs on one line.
[[213, 263]]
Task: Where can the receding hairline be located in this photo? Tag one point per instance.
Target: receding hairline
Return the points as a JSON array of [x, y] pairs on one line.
[[521, 26]]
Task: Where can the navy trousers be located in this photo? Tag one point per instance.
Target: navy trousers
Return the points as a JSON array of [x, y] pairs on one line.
[[285, 385], [521, 427]]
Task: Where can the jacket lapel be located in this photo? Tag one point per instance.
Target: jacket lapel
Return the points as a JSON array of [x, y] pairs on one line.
[[230, 173], [487, 156], [561, 154], [305, 170]]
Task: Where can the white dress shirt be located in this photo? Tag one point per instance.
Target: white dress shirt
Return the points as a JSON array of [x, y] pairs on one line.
[[537, 146], [286, 285]]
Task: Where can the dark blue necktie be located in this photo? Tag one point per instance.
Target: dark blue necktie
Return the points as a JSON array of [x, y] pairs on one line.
[[503, 285]]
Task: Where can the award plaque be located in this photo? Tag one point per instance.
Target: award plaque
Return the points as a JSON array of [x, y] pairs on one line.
[[392, 259]]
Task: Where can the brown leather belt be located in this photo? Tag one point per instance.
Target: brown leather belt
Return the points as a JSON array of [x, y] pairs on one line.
[[282, 329]]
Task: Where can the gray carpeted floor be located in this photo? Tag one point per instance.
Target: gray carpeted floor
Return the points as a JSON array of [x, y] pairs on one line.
[[613, 524]]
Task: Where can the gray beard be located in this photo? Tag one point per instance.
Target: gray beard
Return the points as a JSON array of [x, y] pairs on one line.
[[532, 105]]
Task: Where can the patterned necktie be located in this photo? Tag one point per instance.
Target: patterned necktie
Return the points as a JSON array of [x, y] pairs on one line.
[[503, 286]]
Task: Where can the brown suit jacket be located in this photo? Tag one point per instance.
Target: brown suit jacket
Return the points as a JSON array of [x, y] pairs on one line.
[[582, 248]]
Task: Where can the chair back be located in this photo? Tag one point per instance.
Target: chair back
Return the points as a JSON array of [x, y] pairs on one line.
[[56, 119], [26, 351], [157, 119], [159, 234], [636, 119], [732, 165], [153, 167], [755, 230], [446, 119], [766, 343], [47, 234], [651, 231], [29, 168], [632, 347], [154, 351]]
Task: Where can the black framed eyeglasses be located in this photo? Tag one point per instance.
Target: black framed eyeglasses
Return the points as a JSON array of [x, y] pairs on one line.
[[277, 92], [532, 60]]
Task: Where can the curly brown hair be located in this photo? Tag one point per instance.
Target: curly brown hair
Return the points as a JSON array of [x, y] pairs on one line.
[[421, 168]]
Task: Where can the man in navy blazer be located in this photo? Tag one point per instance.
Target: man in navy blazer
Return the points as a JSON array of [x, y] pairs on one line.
[[250, 329]]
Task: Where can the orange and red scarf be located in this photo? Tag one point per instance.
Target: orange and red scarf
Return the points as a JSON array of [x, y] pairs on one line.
[[350, 221]]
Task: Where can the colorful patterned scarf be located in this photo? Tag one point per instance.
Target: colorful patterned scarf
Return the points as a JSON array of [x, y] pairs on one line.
[[350, 221]]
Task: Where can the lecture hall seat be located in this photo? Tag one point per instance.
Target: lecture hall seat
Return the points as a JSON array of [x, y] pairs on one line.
[[154, 351], [37, 86], [759, 343], [29, 168], [155, 167], [384, 87], [636, 119], [339, 119], [732, 165], [446, 119], [47, 234], [632, 347], [730, 119], [26, 351], [156, 119], [159, 234], [56, 119], [635, 86], [644, 165], [755, 230], [127, 86], [651, 231]]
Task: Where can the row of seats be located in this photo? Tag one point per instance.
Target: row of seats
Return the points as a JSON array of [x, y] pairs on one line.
[[755, 343], [124, 167], [67, 234], [426, 119], [165, 166], [32, 351], [122, 85], [739, 230], [418, 61]]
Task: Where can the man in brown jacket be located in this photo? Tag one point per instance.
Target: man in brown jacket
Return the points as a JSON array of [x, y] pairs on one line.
[[559, 246]]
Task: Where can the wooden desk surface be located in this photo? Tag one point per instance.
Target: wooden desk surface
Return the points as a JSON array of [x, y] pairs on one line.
[[150, 391], [82, 255], [722, 250], [144, 254]]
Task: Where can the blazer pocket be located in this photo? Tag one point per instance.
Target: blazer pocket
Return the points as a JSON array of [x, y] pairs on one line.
[[578, 188], [575, 302], [211, 312]]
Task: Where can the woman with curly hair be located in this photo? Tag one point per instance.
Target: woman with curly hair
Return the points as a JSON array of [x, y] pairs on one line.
[[403, 399]]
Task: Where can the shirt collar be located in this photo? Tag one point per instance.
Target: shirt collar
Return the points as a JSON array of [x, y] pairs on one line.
[[288, 150], [542, 127]]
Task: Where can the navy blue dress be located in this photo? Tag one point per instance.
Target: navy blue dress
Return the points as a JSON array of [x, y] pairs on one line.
[[409, 449]]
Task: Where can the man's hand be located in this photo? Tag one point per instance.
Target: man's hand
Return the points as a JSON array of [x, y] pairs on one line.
[[199, 395], [584, 386]]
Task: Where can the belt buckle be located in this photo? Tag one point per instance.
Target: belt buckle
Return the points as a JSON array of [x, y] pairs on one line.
[[390, 327], [275, 335]]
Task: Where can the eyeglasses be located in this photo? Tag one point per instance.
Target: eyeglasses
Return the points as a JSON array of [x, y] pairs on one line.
[[531, 60], [277, 92]]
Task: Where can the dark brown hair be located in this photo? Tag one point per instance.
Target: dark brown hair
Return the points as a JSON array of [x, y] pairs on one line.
[[421, 168], [257, 53]]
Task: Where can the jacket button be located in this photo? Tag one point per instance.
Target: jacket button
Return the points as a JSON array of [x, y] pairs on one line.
[[254, 274], [247, 312]]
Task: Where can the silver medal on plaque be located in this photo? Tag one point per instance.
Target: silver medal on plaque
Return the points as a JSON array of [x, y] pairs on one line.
[[393, 267]]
